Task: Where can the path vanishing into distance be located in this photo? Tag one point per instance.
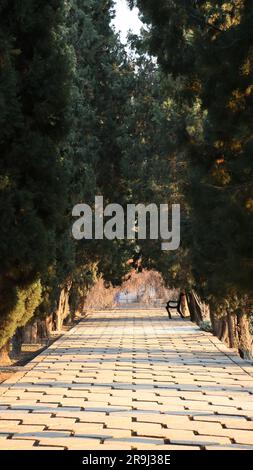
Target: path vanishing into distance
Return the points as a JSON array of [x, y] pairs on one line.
[[130, 379]]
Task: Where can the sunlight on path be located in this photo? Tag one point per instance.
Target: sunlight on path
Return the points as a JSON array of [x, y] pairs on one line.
[[130, 379]]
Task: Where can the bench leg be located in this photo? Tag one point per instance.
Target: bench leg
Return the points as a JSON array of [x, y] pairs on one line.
[[169, 314]]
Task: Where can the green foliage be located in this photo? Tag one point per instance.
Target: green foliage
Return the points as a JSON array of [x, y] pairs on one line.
[[91, 154], [208, 47], [35, 82], [25, 302], [100, 95]]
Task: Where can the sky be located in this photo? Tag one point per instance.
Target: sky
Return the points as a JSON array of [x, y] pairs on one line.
[[126, 19]]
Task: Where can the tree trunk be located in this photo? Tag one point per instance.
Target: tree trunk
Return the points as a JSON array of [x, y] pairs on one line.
[[49, 324], [59, 314], [195, 308], [4, 354], [224, 334], [184, 307], [38, 331], [244, 336], [231, 331], [191, 306], [44, 329], [213, 322], [17, 341], [63, 306], [81, 308], [31, 333], [220, 327]]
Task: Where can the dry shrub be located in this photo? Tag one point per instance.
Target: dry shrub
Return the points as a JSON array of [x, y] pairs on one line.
[[149, 286], [101, 296]]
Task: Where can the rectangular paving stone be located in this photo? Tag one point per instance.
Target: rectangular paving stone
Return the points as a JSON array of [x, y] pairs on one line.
[[8, 426], [118, 422], [188, 437], [229, 447], [148, 429], [240, 436], [13, 444], [72, 443], [138, 442], [39, 435]]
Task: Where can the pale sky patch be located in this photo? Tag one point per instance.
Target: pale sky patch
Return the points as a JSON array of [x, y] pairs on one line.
[[126, 19]]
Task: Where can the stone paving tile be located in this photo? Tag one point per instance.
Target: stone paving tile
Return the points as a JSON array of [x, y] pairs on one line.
[[72, 443], [50, 447], [53, 437], [10, 415], [138, 442], [239, 424], [175, 447], [22, 430], [188, 437], [114, 446], [8, 426], [130, 379], [240, 436], [47, 420], [229, 447], [11, 444], [118, 422]]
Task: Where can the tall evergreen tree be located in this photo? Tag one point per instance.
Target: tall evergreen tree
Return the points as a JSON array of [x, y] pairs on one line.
[[149, 163], [35, 75], [209, 46], [103, 81]]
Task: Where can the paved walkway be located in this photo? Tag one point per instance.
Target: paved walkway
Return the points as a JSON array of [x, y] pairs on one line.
[[130, 380]]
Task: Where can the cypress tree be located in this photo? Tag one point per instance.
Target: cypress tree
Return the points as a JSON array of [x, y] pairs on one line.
[[35, 76], [209, 47], [102, 84]]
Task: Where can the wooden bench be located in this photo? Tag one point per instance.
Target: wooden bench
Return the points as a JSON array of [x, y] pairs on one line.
[[176, 305]]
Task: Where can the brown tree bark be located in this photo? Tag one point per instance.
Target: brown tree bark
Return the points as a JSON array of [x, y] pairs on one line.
[[232, 340], [49, 324], [184, 307], [220, 327], [214, 322], [223, 334], [17, 341], [191, 306], [31, 333], [244, 336], [63, 306], [195, 308], [4, 354], [38, 331]]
